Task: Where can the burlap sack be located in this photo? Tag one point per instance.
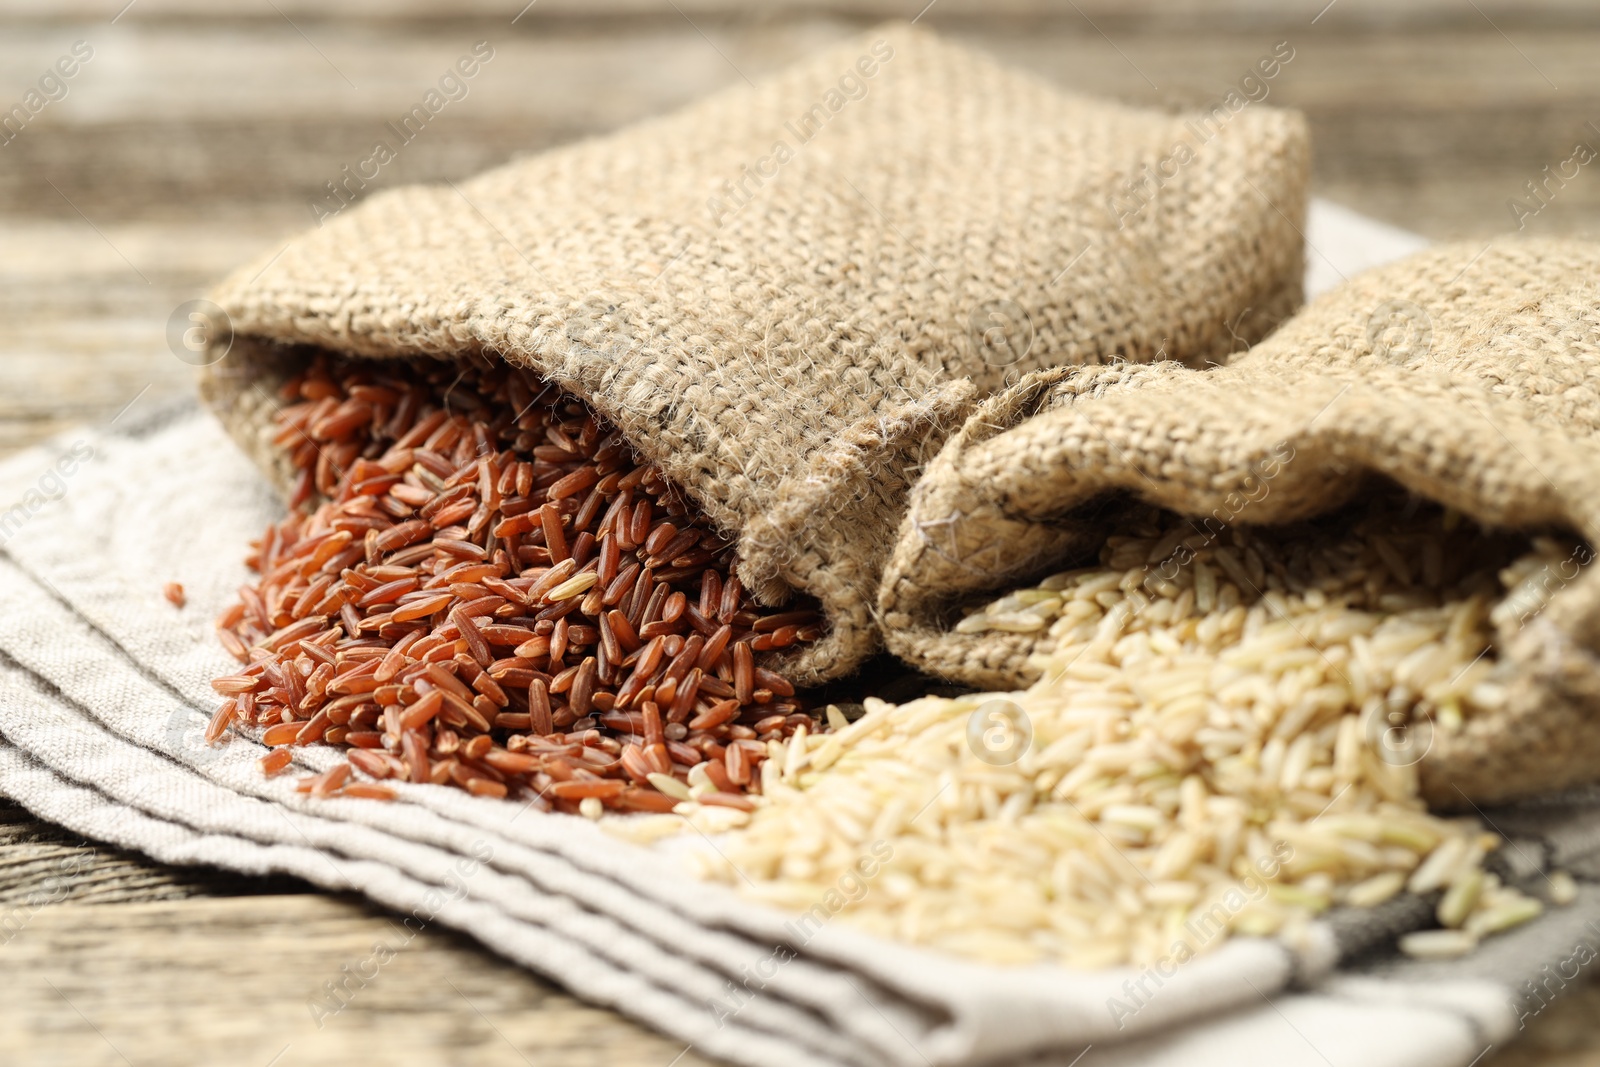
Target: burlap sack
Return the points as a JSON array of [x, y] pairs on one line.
[[1468, 378], [778, 293]]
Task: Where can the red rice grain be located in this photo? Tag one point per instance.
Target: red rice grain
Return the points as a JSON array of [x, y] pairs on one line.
[[491, 591], [275, 761]]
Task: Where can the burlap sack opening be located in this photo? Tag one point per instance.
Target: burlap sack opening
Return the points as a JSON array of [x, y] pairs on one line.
[[1466, 376], [787, 296]]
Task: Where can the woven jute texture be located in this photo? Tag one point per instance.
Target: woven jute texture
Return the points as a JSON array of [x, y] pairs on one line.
[[1467, 376], [787, 295]]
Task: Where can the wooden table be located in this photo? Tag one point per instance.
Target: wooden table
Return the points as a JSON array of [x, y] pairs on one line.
[[196, 137]]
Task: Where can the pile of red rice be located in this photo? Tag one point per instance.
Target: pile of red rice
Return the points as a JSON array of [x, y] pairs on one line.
[[480, 584]]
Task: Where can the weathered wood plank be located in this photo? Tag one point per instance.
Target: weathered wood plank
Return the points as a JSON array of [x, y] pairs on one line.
[[234, 980], [1229, 13], [43, 865], [1444, 125]]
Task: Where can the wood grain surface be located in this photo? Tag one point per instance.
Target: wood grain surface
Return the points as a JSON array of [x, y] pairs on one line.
[[198, 136], [241, 981]]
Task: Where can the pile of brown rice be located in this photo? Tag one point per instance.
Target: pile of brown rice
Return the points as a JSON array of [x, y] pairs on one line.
[[1225, 740], [481, 585]]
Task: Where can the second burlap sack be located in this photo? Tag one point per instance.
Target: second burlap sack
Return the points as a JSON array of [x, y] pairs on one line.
[[787, 295], [1469, 377]]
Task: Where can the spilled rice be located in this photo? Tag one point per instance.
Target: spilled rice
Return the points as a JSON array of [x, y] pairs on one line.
[[1224, 740], [481, 585]]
